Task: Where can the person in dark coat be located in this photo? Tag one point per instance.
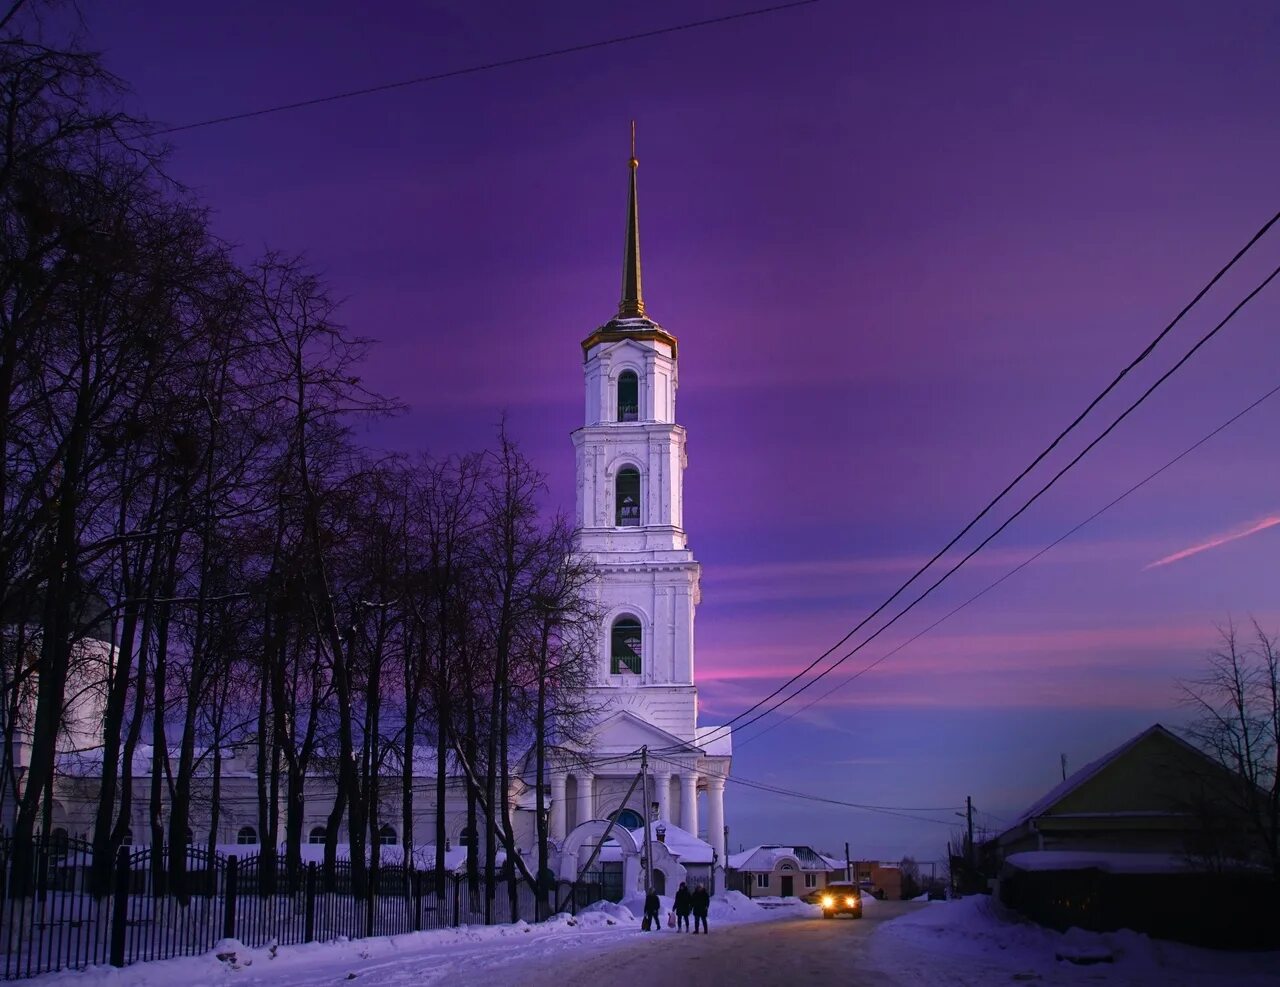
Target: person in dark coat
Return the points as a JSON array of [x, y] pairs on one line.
[[701, 901], [684, 905], [652, 905]]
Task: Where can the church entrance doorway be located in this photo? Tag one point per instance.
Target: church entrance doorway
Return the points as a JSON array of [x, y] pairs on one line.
[[787, 889], [659, 881]]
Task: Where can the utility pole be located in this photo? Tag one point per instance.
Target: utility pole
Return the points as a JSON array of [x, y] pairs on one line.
[[648, 850], [968, 811], [848, 864]]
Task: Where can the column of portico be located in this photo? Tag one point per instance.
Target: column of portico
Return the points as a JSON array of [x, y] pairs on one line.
[[689, 802], [715, 814], [662, 780], [586, 796], [557, 821]]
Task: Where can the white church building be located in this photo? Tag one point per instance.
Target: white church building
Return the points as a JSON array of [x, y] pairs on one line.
[[630, 456]]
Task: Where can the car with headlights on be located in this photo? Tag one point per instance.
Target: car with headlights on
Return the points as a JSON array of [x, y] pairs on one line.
[[840, 898]]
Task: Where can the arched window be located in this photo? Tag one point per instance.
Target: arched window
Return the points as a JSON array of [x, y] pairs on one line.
[[467, 837], [317, 835], [628, 396], [628, 819], [627, 501], [624, 648], [387, 836], [247, 835]]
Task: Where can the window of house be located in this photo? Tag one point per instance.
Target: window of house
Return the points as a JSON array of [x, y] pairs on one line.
[[387, 836], [811, 880], [625, 644], [762, 880], [627, 499], [247, 835], [628, 397], [467, 837], [317, 835]]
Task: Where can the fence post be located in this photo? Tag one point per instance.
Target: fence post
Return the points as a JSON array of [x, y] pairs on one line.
[[457, 894], [417, 900], [372, 903], [229, 897], [120, 907], [309, 905]]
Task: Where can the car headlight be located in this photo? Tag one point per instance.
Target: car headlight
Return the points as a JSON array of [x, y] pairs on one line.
[[851, 901], [827, 901]]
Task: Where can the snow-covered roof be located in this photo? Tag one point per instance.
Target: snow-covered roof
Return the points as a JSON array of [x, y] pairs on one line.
[[767, 857], [1089, 771], [720, 744], [681, 844]]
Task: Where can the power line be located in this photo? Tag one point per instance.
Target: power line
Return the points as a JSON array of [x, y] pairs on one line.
[[485, 67], [1018, 513], [1020, 566], [1142, 356], [902, 811]]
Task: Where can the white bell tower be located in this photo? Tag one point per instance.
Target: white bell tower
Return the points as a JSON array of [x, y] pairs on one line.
[[630, 511], [630, 522]]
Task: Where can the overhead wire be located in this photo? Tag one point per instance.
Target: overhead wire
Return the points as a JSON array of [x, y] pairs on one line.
[[1135, 362], [1021, 510], [483, 67], [902, 811], [1019, 567]]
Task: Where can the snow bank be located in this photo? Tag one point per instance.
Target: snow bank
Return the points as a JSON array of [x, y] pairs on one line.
[[610, 910], [977, 935]]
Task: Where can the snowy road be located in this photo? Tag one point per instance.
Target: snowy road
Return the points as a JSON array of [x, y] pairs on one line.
[[788, 952]]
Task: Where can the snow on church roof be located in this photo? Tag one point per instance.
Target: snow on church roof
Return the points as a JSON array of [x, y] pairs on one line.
[[682, 844]]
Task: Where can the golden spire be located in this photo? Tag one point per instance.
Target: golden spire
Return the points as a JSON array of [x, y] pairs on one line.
[[632, 304]]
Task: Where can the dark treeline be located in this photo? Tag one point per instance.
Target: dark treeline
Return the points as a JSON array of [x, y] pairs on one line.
[[181, 479]]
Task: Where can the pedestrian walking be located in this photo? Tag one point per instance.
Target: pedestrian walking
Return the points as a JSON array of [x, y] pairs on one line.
[[701, 901], [652, 906], [684, 905]]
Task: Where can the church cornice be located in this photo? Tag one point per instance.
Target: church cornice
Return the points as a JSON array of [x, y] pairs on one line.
[[645, 330], [653, 429]]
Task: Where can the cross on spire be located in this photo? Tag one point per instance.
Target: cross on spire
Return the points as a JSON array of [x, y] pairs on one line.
[[632, 304]]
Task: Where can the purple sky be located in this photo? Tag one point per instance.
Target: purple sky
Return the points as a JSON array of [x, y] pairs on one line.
[[901, 246]]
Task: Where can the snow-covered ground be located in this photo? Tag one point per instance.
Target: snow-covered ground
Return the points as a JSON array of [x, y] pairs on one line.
[[967, 943], [974, 941], [458, 957]]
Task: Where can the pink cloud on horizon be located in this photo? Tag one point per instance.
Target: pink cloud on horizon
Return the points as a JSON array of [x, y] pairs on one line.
[[1114, 667], [1001, 650], [1218, 540]]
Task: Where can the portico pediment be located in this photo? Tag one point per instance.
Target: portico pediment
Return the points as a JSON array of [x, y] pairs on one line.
[[623, 732]]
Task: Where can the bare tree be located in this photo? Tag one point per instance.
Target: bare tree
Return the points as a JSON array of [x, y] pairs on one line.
[[1236, 709]]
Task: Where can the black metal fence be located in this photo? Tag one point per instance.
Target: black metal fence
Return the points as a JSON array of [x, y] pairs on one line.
[[55, 915]]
